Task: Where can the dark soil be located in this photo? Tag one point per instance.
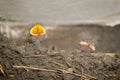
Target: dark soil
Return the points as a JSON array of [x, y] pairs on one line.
[[36, 61]]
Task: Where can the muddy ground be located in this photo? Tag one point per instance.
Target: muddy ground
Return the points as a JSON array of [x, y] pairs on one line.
[[61, 59]]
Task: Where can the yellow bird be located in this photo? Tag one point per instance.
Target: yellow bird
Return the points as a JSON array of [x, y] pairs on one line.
[[37, 33], [37, 29]]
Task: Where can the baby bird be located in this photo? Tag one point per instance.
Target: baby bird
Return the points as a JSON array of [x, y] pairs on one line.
[[86, 46], [37, 33]]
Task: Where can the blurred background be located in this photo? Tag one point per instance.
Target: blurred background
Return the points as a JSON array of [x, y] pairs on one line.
[[67, 22], [57, 12]]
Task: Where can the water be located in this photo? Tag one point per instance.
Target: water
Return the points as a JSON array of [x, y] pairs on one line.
[[61, 11]]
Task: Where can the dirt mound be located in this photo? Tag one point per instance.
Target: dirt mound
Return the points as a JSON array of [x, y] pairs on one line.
[[36, 61]]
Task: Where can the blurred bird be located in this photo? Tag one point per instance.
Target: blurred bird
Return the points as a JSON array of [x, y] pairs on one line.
[[86, 46]]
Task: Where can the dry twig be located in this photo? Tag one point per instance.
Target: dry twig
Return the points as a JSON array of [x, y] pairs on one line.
[[61, 70], [33, 68], [2, 70], [42, 55], [59, 64]]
